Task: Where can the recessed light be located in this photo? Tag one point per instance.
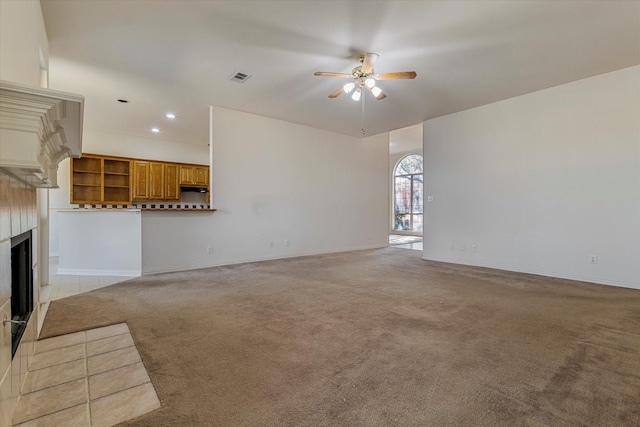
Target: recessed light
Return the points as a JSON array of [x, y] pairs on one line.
[[124, 101], [155, 130], [170, 116]]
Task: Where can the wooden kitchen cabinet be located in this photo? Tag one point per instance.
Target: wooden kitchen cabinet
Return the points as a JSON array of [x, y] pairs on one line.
[[149, 178], [197, 176], [97, 179], [171, 181], [100, 180], [140, 180], [156, 181]]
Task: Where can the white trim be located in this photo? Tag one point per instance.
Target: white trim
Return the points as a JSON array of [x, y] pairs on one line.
[[82, 272]]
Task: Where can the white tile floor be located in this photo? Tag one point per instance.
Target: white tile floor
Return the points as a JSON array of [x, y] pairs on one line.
[[413, 246], [396, 241], [92, 378], [62, 286], [89, 378]]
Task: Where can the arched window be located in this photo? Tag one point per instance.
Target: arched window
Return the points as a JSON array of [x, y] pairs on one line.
[[407, 194]]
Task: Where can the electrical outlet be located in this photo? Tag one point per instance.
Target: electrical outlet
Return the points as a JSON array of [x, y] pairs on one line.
[[209, 249], [593, 259], [429, 198], [474, 248], [286, 242]]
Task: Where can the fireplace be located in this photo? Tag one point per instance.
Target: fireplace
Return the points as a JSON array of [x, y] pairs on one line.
[[21, 287]]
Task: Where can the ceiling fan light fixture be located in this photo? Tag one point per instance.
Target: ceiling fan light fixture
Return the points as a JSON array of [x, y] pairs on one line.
[[370, 82], [356, 95], [348, 87], [376, 91]]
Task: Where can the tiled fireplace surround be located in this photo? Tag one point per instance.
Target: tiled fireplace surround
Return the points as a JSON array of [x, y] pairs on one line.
[[18, 214]]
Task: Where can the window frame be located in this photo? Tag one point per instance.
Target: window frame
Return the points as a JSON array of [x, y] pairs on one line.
[[412, 211]]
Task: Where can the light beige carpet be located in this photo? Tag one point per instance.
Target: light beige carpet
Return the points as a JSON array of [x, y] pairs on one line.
[[374, 338]]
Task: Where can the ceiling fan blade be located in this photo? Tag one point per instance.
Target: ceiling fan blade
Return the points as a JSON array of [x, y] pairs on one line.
[[328, 74], [380, 96], [337, 93], [397, 75], [369, 60]]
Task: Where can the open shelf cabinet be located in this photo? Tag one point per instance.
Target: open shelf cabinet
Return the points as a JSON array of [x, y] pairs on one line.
[[99, 179]]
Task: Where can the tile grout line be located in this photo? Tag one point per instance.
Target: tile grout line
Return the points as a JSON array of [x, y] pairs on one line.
[[124, 389], [51, 386], [110, 351], [110, 336], [57, 364], [46, 415], [119, 367]]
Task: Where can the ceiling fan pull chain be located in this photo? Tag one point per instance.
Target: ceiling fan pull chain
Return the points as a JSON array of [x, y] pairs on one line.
[[363, 98]]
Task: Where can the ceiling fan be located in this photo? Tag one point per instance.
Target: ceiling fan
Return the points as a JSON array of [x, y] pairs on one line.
[[365, 78]]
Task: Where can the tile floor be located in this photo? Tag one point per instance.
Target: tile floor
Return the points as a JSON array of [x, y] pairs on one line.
[[67, 285], [405, 242], [413, 246], [92, 378]]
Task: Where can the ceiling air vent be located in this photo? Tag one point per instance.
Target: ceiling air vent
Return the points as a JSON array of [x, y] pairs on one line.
[[239, 77]]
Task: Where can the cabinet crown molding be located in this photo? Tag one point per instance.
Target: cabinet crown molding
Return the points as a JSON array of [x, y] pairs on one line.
[[38, 129]]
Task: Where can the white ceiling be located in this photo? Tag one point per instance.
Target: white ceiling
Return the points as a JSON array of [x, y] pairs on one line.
[[177, 55]]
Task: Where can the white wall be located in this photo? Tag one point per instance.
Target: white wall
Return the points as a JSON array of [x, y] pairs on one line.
[[275, 181], [541, 182], [114, 144], [100, 243], [22, 34]]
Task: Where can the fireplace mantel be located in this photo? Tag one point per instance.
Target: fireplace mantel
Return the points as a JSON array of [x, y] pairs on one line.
[[38, 129]]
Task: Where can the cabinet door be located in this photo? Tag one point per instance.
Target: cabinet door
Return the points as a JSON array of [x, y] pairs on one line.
[[141, 180], [156, 181], [186, 174], [171, 186], [201, 176]]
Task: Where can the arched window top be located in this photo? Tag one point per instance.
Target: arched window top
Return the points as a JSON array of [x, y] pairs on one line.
[[409, 165]]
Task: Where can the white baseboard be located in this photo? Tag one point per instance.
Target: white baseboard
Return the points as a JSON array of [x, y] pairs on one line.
[[81, 272]]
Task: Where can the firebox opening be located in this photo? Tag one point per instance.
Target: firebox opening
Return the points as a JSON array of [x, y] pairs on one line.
[[21, 287]]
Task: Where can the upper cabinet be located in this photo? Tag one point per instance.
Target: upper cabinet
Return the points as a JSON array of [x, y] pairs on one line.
[[99, 179], [171, 178], [156, 181], [117, 181], [195, 176], [140, 180], [149, 180]]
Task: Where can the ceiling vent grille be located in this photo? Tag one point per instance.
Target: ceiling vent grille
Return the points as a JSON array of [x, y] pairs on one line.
[[239, 77]]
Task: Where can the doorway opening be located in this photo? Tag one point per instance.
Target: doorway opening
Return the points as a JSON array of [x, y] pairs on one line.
[[408, 206]]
